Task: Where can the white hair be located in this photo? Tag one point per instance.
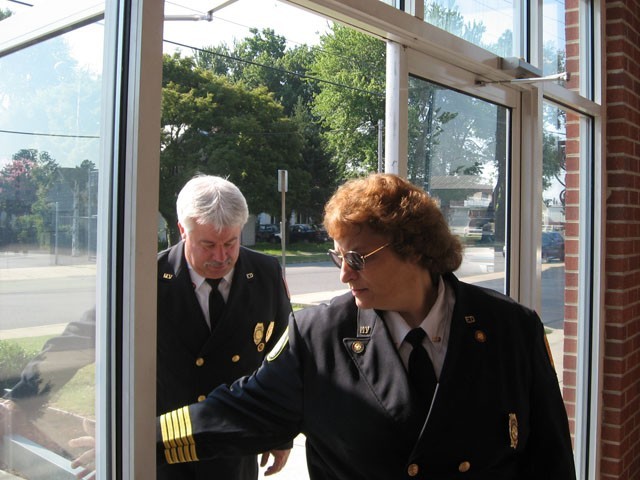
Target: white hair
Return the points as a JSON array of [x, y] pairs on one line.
[[211, 200]]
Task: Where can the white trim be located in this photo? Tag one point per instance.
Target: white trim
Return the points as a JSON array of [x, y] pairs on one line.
[[44, 22], [530, 225], [141, 164], [396, 107]]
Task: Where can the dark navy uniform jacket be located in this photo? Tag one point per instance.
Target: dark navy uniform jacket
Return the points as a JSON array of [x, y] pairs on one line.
[[498, 413], [192, 361]]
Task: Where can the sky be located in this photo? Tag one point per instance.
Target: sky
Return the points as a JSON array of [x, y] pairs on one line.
[[231, 22], [228, 24]]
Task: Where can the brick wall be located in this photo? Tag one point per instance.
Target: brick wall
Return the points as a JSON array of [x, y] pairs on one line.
[[620, 440]]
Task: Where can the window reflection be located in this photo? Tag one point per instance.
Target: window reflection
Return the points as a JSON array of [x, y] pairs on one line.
[[554, 37], [50, 105], [488, 24], [563, 43], [458, 153], [560, 242]]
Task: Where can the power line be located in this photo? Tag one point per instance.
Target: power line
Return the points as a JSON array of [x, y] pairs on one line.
[[280, 70], [36, 134]]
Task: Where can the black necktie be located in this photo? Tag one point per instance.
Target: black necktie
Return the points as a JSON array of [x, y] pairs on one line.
[[421, 374], [216, 302]]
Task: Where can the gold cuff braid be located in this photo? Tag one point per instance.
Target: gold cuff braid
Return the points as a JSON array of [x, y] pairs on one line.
[[179, 445]]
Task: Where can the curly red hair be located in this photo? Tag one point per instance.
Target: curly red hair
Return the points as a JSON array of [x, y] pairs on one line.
[[392, 206]]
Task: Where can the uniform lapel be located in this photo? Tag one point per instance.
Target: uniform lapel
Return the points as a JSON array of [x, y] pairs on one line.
[[463, 323], [187, 313], [458, 363], [379, 363], [240, 284]]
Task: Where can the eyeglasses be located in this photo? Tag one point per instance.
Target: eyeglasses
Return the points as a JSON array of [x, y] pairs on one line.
[[353, 259]]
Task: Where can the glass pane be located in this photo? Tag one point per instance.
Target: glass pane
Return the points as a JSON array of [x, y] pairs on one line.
[[490, 24], [563, 42], [50, 115], [560, 242], [458, 153]]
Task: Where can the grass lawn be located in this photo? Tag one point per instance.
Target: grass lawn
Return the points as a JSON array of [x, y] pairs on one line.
[[297, 252]]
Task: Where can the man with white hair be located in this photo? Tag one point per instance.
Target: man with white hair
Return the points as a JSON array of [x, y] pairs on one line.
[[221, 308]]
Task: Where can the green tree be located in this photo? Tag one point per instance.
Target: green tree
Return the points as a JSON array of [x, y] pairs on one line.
[[263, 60], [351, 102], [24, 185], [554, 160], [210, 125]]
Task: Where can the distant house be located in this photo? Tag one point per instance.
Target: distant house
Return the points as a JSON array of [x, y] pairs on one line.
[[463, 198]]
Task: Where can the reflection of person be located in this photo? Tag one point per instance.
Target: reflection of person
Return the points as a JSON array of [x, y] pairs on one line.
[[56, 363], [340, 376], [194, 355]]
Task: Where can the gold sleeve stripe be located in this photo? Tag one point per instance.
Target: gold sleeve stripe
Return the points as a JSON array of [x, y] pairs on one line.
[[177, 436], [546, 343]]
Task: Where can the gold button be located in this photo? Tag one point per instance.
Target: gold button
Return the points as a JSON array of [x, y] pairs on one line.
[[235, 358], [480, 336], [464, 467], [260, 347], [201, 397], [199, 361], [357, 347], [413, 470]]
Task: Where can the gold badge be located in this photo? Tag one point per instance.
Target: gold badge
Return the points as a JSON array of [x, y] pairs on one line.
[[279, 346], [167, 276], [269, 331], [470, 319], [258, 333], [513, 430], [260, 347], [480, 336], [365, 330], [357, 347]]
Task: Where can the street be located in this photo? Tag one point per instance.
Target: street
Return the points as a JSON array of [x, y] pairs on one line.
[[34, 291]]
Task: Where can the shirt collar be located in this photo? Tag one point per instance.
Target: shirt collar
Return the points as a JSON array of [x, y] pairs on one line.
[[433, 323], [198, 279]]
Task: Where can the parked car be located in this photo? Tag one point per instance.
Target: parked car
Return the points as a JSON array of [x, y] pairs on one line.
[[268, 233], [302, 232], [552, 246], [477, 228], [321, 234]]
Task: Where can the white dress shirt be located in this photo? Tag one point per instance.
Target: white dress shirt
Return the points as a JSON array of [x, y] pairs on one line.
[[436, 324], [203, 289]]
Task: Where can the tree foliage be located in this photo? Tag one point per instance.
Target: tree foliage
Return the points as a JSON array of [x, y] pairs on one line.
[[263, 60], [212, 126], [351, 102], [24, 184]]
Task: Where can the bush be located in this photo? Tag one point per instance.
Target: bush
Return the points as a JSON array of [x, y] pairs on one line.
[[13, 359]]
